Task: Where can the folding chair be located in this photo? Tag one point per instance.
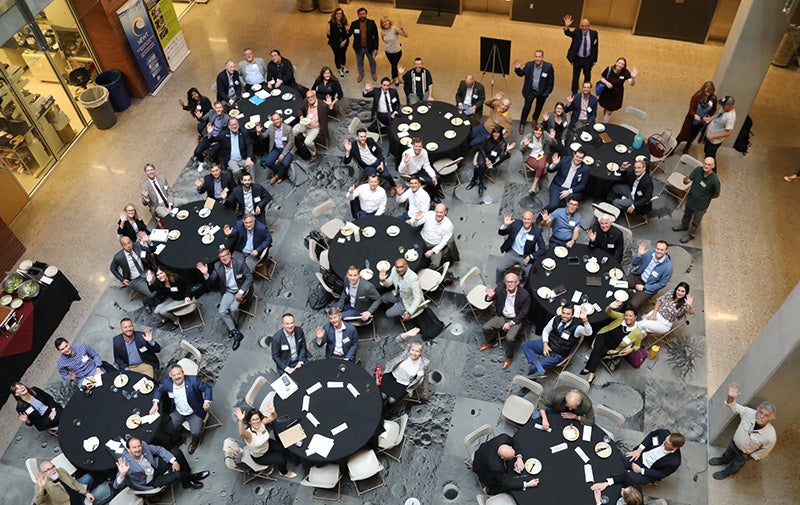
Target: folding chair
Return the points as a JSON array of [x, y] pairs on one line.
[[393, 437], [479, 435], [363, 465], [431, 280], [570, 379], [476, 296], [517, 409], [617, 420], [564, 363], [642, 217], [185, 310], [324, 477]]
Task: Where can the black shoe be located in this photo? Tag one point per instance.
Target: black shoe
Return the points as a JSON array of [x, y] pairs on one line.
[[231, 333], [471, 184], [721, 475], [686, 239], [481, 189], [200, 475], [716, 461], [585, 372], [680, 228], [237, 340], [161, 323], [192, 484]]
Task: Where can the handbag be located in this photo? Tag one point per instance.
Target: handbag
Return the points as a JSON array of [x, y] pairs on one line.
[[657, 143], [637, 357], [600, 86]]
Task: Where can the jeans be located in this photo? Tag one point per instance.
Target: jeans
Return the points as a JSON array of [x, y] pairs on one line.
[[691, 219], [478, 135], [205, 143], [384, 174], [279, 168], [360, 53], [534, 353]]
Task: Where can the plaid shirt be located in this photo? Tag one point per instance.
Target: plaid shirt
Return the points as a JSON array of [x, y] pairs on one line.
[[76, 363]]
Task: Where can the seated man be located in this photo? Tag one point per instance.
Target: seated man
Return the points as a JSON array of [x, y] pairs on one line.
[[470, 96], [569, 402], [385, 100], [210, 127], [313, 121], [559, 337], [437, 232], [280, 72], [417, 83], [490, 464], [229, 84], [650, 272], [156, 193], [566, 223], [135, 350], [368, 156], [406, 293], [657, 457], [583, 108], [234, 280], [608, 238], [250, 238], [280, 146], [55, 486], [216, 185], [191, 399], [571, 178], [144, 466], [368, 199], [500, 116], [77, 362], [414, 161], [417, 198], [340, 338], [129, 267], [511, 306], [359, 298], [289, 351], [250, 198], [618, 338], [236, 148], [523, 244], [252, 70], [633, 193]]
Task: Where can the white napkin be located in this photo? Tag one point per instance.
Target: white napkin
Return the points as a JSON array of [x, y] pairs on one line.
[[90, 444], [256, 118], [402, 134], [149, 418], [313, 419], [582, 454], [98, 380], [290, 120], [576, 297], [319, 445], [114, 446], [313, 388], [306, 400], [466, 123], [46, 280], [214, 230], [558, 448], [352, 390], [160, 248], [540, 427], [597, 307], [609, 293], [262, 94], [332, 384], [339, 429], [448, 115], [587, 471], [587, 433]]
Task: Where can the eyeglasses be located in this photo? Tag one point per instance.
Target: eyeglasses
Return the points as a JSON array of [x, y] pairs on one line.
[[48, 469]]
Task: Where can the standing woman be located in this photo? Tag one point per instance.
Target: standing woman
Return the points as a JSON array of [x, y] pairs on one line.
[[702, 107], [339, 39], [541, 147], [130, 224], [174, 289], [391, 43], [614, 77]]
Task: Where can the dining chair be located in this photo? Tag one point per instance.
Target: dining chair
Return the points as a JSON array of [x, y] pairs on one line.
[[32, 465], [330, 228], [616, 420], [357, 322], [475, 295], [447, 166], [249, 304], [255, 388], [126, 497], [564, 363], [605, 209], [321, 478], [643, 219], [61, 461], [268, 399], [664, 336], [363, 465], [570, 379], [266, 265], [636, 112], [497, 499], [415, 314], [475, 438], [181, 312], [190, 365], [392, 437], [210, 421], [164, 495], [430, 280], [327, 288], [656, 162], [249, 469], [356, 123], [675, 185], [517, 409]]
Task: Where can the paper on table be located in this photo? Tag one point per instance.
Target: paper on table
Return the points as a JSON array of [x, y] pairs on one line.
[[320, 445], [576, 297], [448, 115], [558, 448], [597, 307], [149, 418], [582, 454], [160, 248], [332, 384], [159, 235], [609, 293], [353, 390], [290, 120], [587, 471], [587, 433], [402, 134], [284, 386], [114, 446], [138, 385], [341, 240], [339, 429], [466, 123], [313, 388], [313, 419], [540, 427], [214, 230], [306, 399], [255, 118], [98, 380], [262, 94], [209, 203], [619, 283], [46, 280]]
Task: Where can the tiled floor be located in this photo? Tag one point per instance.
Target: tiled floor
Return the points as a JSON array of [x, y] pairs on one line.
[[742, 229]]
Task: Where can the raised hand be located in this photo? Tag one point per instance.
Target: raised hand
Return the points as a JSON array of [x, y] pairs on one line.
[[556, 158], [202, 267], [122, 467], [123, 216], [592, 235], [368, 86], [148, 335], [508, 219], [227, 230], [149, 276], [642, 248], [406, 158], [570, 98], [634, 72], [517, 63], [401, 70], [347, 144], [733, 390], [490, 291], [144, 192], [690, 300], [197, 183], [320, 333], [567, 20], [239, 413]]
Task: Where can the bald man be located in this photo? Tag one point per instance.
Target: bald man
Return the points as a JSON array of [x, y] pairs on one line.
[[470, 97], [569, 403], [491, 465], [582, 52], [437, 232]]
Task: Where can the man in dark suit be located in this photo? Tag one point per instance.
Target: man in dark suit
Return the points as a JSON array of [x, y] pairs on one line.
[[129, 266], [657, 457], [249, 238], [582, 52], [523, 244], [607, 237], [491, 462], [289, 351], [217, 185], [633, 194], [136, 350], [251, 198], [144, 466], [571, 178], [538, 84], [385, 100], [365, 43], [280, 72], [191, 399], [229, 84], [339, 338], [368, 156], [234, 280], [583, 108], [511, 306], [236, 148], [280, 146], [470, 96], [359, 298], [210, 127]]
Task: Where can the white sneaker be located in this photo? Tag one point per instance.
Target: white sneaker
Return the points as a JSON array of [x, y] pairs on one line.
[[201, 166]]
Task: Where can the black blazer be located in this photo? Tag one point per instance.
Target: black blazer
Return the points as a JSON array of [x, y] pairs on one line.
[[119, 264], [244, 278], [367, 297], [332, 88], [377, 94], [126, 230], [38, 421], [224, 139], [522, 303], [356, 154], [372, 35], [283, 71], [534, 245], [281, 354], [478, 95], [222, 85], [662, 468], [179, 290], [644, 191], [611, 242], [493, 471], [545, 80], [577, 38], [146, 351], [260, 193], [208, 184]]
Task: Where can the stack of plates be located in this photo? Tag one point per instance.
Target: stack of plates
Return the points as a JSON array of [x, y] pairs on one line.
[[545, 292]]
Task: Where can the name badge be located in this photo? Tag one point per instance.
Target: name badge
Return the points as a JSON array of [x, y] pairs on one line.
[[239, 276], [493, 153], [84, 358], [373, 148], [565, 335], [170, 394], [655, 441], [474, 97], [346, 340], [357, 30], [639, 193], [29, 410], [143, 348], [284, 347], [544, 74], [579, 177], [703, 184], [256, 199], [588, 109], [418, 78], [236, 82], [286, 139], [529, 236], [142, 254], [627, 340], [394, 99], [572, 223], [173, 289], [611, 246]]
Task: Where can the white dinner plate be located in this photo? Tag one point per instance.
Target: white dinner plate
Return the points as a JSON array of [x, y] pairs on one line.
[[588, 308], [411, 255], [414, 126], [592, 267], [402, 127], [571, 433], [599, 127], [203, 230], [249, 125], [207, 239], [288, 112], [6, 299], [432, 146], [174, 234], [544, 292], [612, 167], [287, 96], [368, 232], [120, 380], [588, 160], [450, 134], [586, 136], [255, 87], [275, 92], [602, 449], [393, 231], [234, 113], [533, 466], [575, 146], [133, 422], [561, 251], [383, 266], [406, 110], [182, 214], [16, 303], [204, 212], [367, 274], [548, 263], [621, 148], [245, 95], [621, 295], [422, 109], [406, 141], [641, 157], [456, 121], [346, 231], [615, 273]]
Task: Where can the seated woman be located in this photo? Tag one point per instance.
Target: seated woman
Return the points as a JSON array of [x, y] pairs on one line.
[[328, 89], [669, 308], [555, 125], [253, 427], [196, 105], [35, 407], [130, 224], [540, 147], [405, 371], [491, 153], [620, 337], [173, 288]]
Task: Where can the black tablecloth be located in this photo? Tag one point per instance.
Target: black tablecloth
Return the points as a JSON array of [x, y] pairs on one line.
[[103, 415], [562, 479], [332, 407], [433, 125], [572, 277], [184, 252], [604, 153], [271, 105], [374, 249], [49, 308]]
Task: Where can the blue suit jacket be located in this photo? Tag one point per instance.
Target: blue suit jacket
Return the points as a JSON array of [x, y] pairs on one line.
[[222, 86], [148, 355], [236, 199], [136, 477], [660, 275], [262, 239], [577, 39], [534, 244], [575, 108], [197, 392], [281, 354], [578, 182], [545, 80], [349, 341]]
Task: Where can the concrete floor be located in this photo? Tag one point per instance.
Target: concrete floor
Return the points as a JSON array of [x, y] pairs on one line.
[[108, 166]]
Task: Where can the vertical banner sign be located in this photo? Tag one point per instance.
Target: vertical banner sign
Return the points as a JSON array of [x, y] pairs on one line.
[[144, 43], [168, 30]]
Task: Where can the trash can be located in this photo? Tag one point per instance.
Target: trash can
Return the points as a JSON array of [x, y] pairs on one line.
[[95, 99], [112, 81]]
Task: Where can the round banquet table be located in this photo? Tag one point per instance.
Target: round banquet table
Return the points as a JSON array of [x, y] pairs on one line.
[[103, 415], [602, 179], [562, 479], [573, 278], [332, 406], [433, 125], [184, 252], [345, 252], [253, 105]]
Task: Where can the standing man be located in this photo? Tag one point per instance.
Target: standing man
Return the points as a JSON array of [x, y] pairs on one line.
[[705, 187], [368, 156], [280, 146], [250, 239], [470, 96], [339, 338], [523, 244], [359, 298], [250, 198], [156, 193], [437, 232], [406, 293], [229, 84], [582, 52], [234, 280], [385, 100], [720, 128], [253, 70], [491, 465], [538, 84], [365, 43], [417, 83], [633, 195], [650, 272], [571, 178], [754, 437], [289, 350], [135, 350], [313, 121], [191, 400], [511, 306]]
